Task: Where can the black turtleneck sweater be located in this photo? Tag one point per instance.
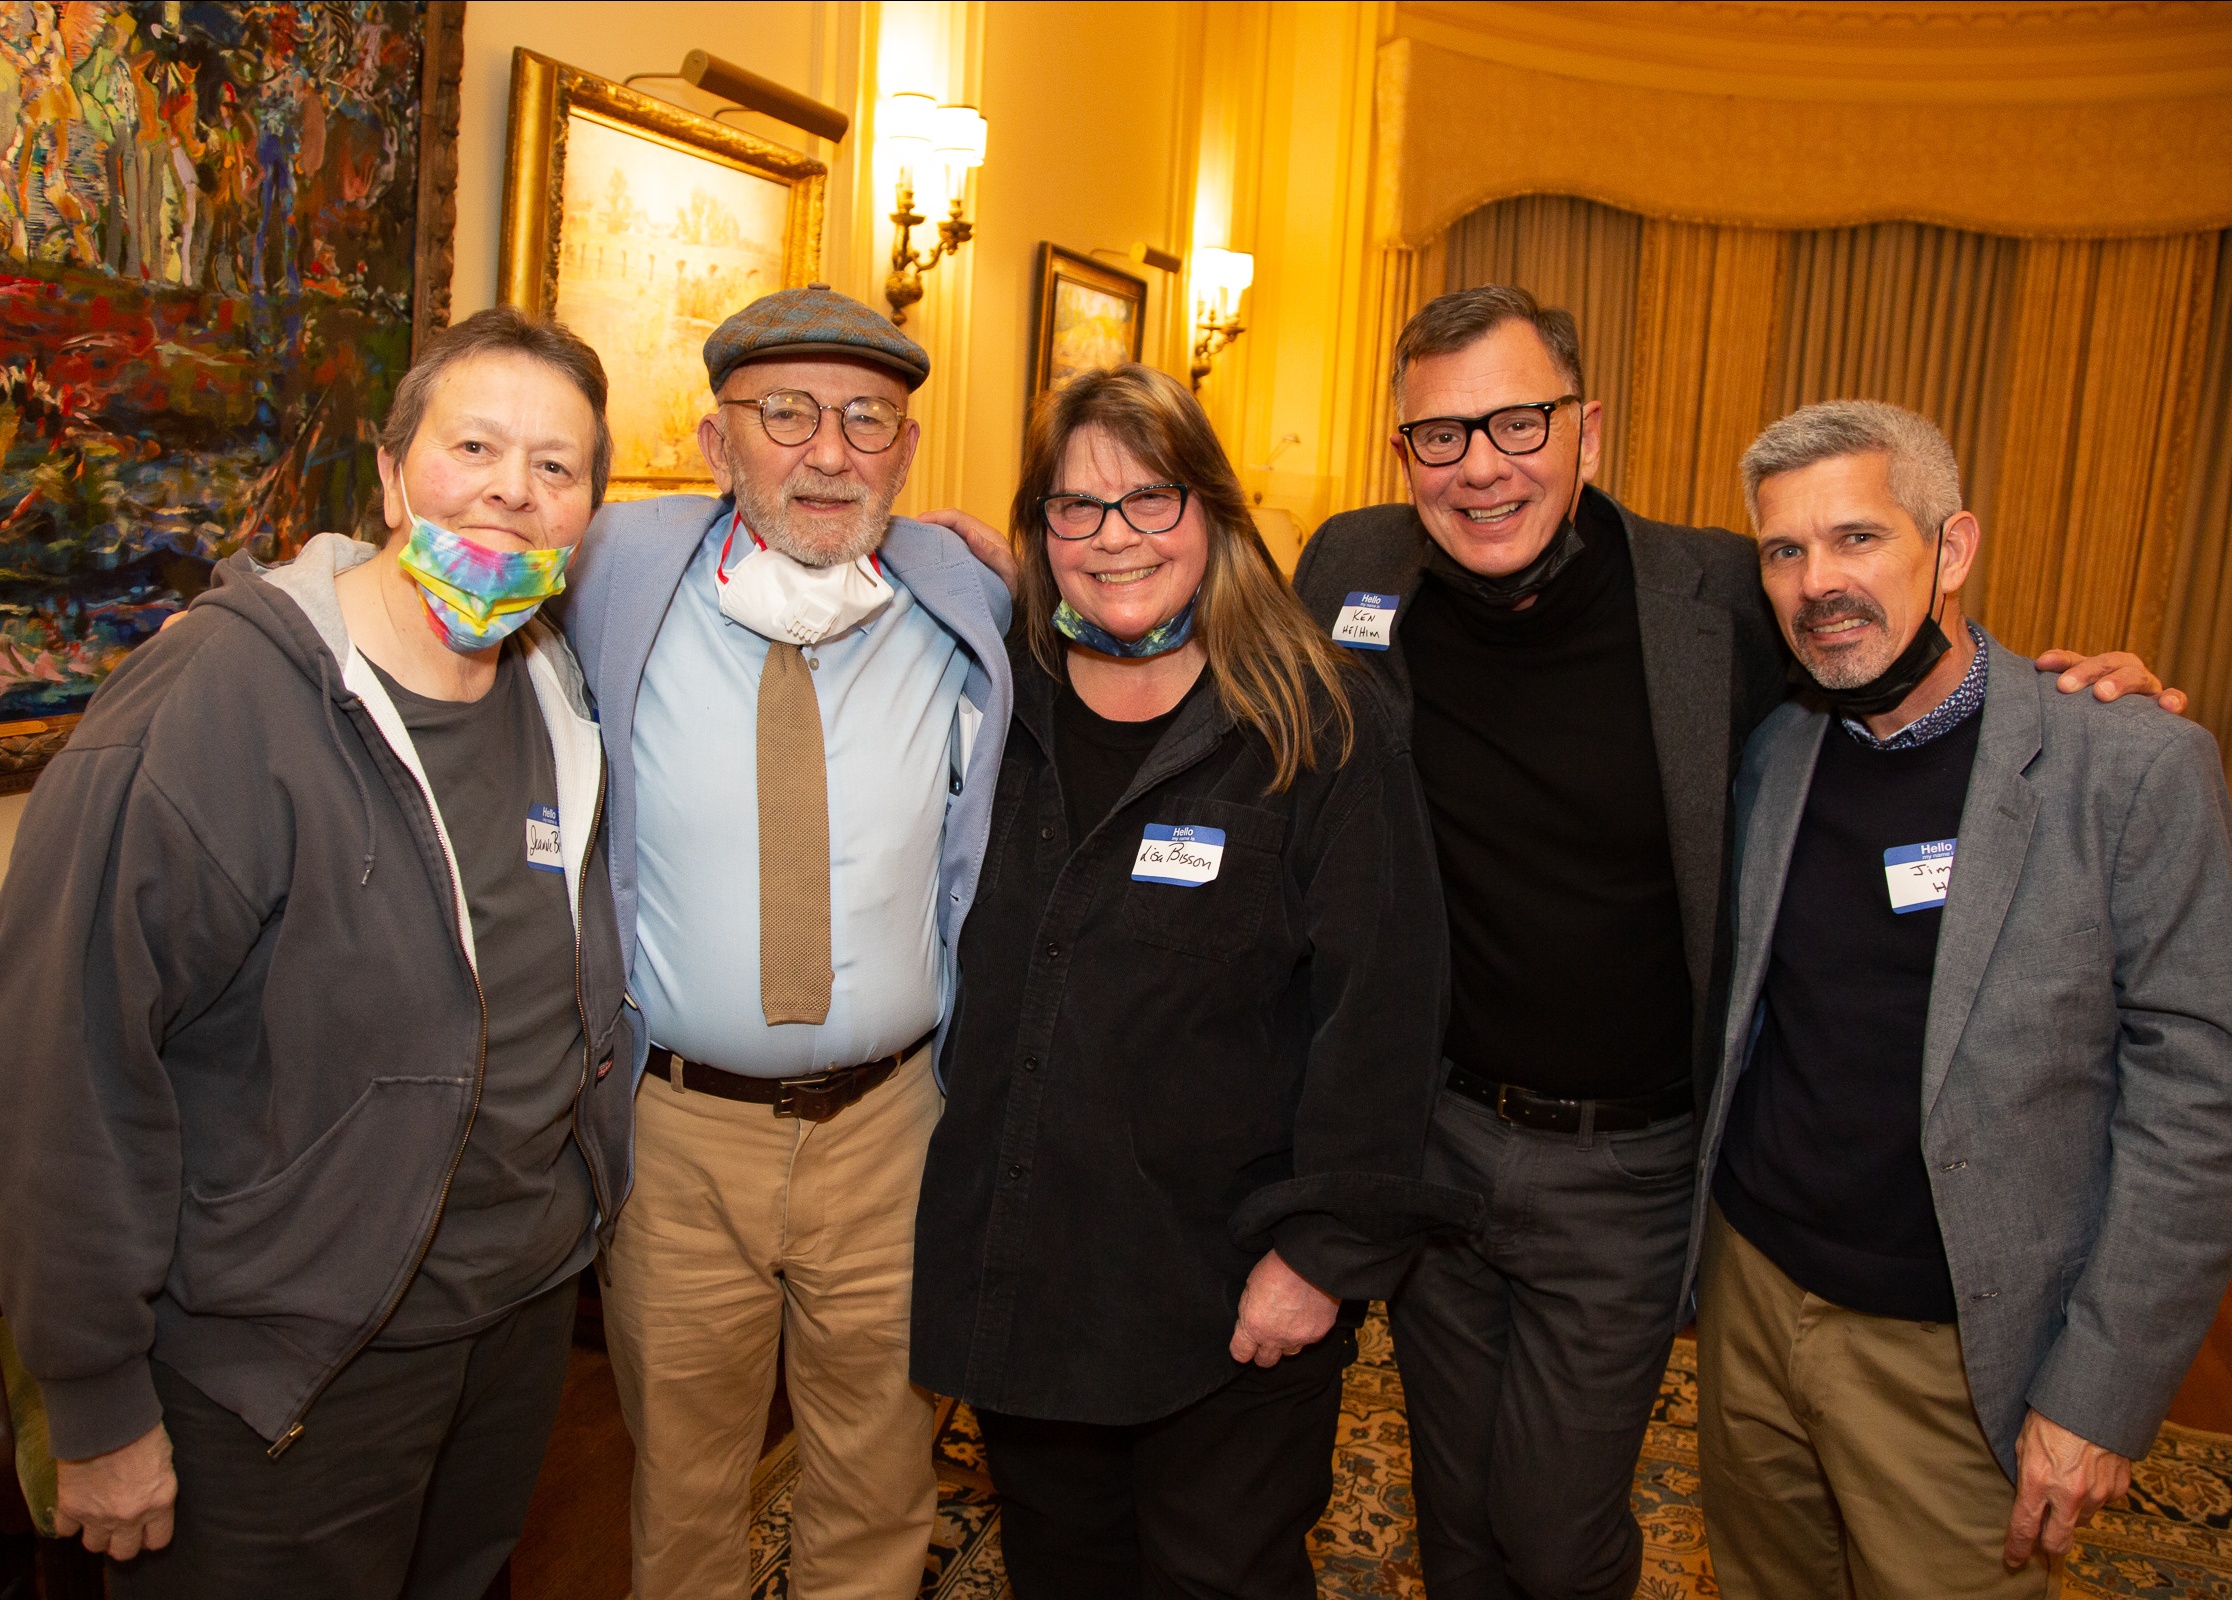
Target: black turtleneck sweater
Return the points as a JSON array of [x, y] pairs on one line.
[[1533, 737]]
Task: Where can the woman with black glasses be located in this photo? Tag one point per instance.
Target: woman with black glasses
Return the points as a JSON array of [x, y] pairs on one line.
[[1197, 1036]]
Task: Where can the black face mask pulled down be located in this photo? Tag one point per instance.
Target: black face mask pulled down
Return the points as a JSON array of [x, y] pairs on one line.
[[1894, 683], [1510, 589], [1889, 687]]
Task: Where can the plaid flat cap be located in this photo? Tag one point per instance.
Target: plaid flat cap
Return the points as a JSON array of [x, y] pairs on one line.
[[814, 321]]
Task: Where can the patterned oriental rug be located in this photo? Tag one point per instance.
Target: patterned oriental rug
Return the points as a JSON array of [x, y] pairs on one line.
[[2170, 1539]]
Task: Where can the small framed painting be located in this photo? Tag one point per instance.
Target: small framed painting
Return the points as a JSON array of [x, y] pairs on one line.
[[643, 227], [1088, 316]]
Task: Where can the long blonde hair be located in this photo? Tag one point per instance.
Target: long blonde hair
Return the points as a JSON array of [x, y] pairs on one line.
[[1265, 652]]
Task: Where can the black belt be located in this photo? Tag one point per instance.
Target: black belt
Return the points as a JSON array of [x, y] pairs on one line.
[[1527, 1109], [812, 1099]]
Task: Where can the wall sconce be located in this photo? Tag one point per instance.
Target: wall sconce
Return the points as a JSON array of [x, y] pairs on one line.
[[1220, 276], [917, 129]]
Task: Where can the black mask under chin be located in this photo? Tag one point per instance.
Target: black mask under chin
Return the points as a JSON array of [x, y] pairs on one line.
[[1513, 587], [1891, 686]]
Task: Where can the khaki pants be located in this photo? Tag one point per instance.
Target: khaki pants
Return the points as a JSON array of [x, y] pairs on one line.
[[1841, 1453], [744, 1225]]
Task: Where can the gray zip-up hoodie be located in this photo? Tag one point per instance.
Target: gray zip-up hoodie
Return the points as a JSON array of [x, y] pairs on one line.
[[245, 1034]]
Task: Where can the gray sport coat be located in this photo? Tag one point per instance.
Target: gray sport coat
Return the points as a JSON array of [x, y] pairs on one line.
[[2077, 1063], [630, 565], [1713, 667]]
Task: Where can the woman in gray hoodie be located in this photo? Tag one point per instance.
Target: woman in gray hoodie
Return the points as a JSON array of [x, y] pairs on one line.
[[313, 985]]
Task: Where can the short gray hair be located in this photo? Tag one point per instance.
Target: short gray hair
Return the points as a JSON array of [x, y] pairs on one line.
[[1925, 477], [1459, 319], [503, 330]]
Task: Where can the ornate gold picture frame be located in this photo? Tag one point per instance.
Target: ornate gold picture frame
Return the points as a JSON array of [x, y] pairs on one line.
[[1086, 315], [642, 227]]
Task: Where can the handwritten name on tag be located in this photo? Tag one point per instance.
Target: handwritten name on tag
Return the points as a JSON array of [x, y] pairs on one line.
[[1185, 856], [1918, 873], [543, 853], [1366, 622]]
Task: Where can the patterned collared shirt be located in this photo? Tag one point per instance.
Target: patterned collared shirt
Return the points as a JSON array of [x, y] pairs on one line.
[[1942, 718]]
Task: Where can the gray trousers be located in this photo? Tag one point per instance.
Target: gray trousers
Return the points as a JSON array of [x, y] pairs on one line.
[[1532, 1352], [411, 1476]]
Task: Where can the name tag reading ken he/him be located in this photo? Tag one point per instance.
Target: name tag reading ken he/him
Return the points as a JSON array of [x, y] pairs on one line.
[[1366, 622], [1185, 856], [1917, 874]]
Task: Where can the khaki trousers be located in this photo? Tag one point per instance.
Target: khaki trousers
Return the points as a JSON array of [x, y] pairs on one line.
[[1841, 1454], [745, 1225]]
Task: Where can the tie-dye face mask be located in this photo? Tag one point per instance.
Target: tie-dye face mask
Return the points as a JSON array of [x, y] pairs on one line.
[[478, 597]]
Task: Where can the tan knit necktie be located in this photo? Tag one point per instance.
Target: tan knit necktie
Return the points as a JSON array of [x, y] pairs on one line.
[[795, 975]]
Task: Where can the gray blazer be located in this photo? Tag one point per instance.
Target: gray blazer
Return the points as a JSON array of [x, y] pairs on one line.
[[1713, 667], [2077, 1063], [630, 565]]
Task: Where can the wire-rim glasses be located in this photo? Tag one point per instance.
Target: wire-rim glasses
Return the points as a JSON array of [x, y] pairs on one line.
[[792, 417], [1156, 508], [1519, 430]]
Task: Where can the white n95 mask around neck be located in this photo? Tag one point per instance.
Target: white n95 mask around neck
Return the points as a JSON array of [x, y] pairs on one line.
[[779, 597]]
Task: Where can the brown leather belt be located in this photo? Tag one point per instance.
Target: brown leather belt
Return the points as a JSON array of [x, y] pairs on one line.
[[1527, 1109], [814, 1099]]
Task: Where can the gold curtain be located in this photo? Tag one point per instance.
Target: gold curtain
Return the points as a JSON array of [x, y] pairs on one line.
[[2084, 385]]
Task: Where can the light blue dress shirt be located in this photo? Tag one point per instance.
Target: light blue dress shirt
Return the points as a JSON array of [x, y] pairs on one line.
[[890, 696]]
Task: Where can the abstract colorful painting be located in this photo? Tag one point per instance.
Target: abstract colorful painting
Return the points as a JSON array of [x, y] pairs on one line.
[[1089, 316], [209, 243], [643, 226]]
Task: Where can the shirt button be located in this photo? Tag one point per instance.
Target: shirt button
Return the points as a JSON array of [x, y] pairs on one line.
[[1015, 1172], [1046, 833], [813, 664], [1053, 949], [1030, 1063]]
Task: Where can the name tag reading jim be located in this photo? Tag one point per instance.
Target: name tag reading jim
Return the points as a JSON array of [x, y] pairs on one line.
[[542, 840], [1917, 874], [1366, 622], [1187, 857]]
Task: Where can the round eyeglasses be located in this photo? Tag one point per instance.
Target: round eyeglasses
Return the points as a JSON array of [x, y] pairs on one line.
[[1154, 509], [792, 416], [1518, 430]]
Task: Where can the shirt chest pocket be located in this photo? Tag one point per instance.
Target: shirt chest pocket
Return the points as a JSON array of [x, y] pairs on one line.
[[1220, 919]]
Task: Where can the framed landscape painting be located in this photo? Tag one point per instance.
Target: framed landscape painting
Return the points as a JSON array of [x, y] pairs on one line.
[[1087, 316], [643, 227], [222, 230]]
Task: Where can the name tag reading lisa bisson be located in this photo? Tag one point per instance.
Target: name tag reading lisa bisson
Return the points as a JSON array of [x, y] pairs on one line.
[[1918, 873], [1185, 856], [1366, 622]]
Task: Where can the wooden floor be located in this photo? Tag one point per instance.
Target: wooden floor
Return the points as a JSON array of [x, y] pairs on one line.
[[576, 1543]]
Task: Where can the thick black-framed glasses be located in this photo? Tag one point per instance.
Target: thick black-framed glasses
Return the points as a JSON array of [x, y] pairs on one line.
[[792, 416], [1518, 430], [1154, 509]]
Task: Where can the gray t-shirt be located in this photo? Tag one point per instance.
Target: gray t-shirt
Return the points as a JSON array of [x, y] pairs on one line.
[[521, 1212]]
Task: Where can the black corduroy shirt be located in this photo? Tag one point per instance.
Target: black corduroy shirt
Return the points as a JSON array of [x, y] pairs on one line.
[[1149, 1085], [1533, 738]]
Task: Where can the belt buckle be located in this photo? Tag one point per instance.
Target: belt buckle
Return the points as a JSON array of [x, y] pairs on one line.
[[791, 1092], [1503, 1095]]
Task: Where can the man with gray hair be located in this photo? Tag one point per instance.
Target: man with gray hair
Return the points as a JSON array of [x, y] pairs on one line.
[[1965, 1171]]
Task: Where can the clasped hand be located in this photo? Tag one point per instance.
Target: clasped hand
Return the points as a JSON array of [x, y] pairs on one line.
[[2061, 1479], [1282, 1314]]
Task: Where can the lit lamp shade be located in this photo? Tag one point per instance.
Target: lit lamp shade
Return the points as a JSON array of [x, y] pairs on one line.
[[907, 126], [958, 136], [1220, 275]]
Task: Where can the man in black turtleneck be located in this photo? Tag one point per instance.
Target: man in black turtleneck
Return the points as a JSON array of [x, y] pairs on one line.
[[1582, 681]]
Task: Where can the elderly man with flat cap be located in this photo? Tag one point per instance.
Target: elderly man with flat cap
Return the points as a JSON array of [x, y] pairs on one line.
[[802, 700]]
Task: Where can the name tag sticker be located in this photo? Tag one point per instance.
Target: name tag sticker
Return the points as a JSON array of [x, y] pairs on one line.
[[542, 840], [1185, 856], [1366, 622], [1917, 874]]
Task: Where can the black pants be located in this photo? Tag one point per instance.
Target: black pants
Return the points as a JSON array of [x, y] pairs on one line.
[[411, 1475], [1532, 1352], [1216, 1500]]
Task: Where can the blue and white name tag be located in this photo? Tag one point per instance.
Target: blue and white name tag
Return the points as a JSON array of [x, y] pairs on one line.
[[1185, 856], [542, 840], [1366, 622], [1917, 874]]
